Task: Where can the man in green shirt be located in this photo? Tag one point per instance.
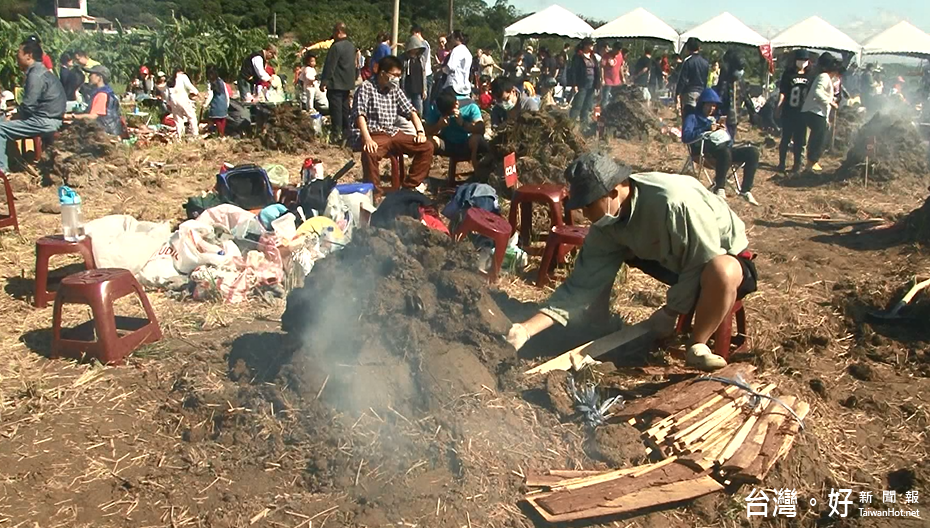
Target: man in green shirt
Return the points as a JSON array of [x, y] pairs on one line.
[[670, 227]]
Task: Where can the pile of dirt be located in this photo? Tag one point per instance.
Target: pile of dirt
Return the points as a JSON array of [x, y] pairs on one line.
[[848, 122], [406, 308], [627, 116], [894, 148], [287, 129], [544, 142], [917, 223], [82, 155]]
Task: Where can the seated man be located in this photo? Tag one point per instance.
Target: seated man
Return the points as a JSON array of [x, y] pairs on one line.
[[378, 102], [104, 105], [510, 102], [457, 131], [43, 104], [669, 226], [718, 145]]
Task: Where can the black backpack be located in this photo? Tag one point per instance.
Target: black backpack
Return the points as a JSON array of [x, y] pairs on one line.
[[246, 186], [313, 196]]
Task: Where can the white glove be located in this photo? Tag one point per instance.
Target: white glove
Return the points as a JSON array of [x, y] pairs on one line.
[[662, 323], [518, 336]]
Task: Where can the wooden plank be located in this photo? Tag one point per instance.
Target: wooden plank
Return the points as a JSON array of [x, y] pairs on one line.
[[698, 428], [801, 409], [683, 395], [742, 433], [591, 480], [573, 473], [711, 403], [747, 453], [638, 500], [568, 501], [632, 335], [774, 438]]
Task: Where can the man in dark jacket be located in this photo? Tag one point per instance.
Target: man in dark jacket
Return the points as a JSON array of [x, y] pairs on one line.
[[70, 80], [252, 72], [43, 104], [585, 72], [728, 90], [338, 80], [692, 78]]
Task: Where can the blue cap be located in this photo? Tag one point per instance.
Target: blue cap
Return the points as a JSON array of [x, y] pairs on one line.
[[67, 196], [709, 95]]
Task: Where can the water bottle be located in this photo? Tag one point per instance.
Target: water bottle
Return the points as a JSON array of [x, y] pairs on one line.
[[72, 220], [316, 123]]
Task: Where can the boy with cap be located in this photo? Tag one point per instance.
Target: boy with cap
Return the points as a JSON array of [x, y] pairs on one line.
[[670, 227], [104, 104]]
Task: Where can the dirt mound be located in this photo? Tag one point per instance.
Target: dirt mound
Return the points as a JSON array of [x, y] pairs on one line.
[[84, 154], [407, 310], [917, 223], [894, 148], [544, 142], [848, 122], [628, 117], [287, 129]]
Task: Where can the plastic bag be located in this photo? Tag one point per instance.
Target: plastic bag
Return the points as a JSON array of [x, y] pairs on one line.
[[160, 269], [121, 241], [196, 245]]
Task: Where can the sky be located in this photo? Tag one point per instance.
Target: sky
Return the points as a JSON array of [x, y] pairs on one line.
[[860, 19]]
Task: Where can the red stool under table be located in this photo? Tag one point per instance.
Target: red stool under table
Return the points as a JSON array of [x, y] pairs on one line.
[[46, 247], [486, 223], [9, 219], [561, 239], [100, 289], [523, 199], [723, 337], [453, 172]]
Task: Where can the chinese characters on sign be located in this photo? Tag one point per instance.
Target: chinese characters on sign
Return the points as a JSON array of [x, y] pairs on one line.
[[785, 503]]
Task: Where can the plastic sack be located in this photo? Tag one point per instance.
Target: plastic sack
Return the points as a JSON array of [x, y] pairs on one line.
[[196, 245], [160, 268], [121, 241], [278, 175], [338, 211]]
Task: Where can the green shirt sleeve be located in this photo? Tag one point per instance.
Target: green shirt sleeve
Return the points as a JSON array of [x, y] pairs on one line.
[[596, 268], [696, 237]]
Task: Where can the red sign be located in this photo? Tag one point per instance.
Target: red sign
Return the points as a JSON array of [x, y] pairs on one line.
[[510, 169], [766, 50]]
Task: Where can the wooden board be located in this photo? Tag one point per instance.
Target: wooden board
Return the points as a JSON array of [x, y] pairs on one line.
[[778, 428], [790, 434], [641, 499], [749, 450], [683, 395], [631, 336]]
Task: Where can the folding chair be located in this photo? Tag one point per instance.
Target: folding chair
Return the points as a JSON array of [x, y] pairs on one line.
[[700, 165]]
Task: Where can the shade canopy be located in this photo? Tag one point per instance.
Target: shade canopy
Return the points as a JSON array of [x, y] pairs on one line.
[[638, 23], [900, 39], [815, 33], [724, 28], [554, 20]]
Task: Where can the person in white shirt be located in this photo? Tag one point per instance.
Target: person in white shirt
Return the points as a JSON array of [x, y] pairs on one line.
[[315, 98], [458, 66], [252, 74], [183, 110]]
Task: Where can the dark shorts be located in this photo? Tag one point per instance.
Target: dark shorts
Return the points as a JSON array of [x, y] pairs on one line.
[[661, 274], [462, 150]]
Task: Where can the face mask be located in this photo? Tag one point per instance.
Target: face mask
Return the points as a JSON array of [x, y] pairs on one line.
[[739, 74], [508, 105], [608, 218], [801, 64], [395, 82]]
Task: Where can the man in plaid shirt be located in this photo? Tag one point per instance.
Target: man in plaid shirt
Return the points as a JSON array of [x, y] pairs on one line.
[[378, 103]]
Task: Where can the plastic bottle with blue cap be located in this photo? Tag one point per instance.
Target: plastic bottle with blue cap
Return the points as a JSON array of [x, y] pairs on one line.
[[72, 219]]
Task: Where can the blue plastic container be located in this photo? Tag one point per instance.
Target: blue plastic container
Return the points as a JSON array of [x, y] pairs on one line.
[[350, 188]]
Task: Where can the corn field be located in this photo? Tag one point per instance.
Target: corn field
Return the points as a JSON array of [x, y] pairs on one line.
[[178, 43]]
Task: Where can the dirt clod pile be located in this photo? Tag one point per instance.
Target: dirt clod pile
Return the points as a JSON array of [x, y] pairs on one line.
[[896, 151], [407, 310], [287, 129], [544, 142], [628, 117], [84, 154], [848, 122]]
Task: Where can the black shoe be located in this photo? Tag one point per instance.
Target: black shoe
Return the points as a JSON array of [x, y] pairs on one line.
[[781, 168]]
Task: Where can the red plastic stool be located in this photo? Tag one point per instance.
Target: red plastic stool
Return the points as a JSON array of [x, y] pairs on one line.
[[9, 219], [523, 199], [46, 247], [100, 289], [485, 223], [453, 165], [723, 337], [560, 237]]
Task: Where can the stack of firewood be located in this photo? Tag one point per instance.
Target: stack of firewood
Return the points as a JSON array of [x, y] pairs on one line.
[[704, 433]]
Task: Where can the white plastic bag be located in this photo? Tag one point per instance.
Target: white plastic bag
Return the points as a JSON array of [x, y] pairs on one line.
[[121, 241], [195, 246], [160, 269]]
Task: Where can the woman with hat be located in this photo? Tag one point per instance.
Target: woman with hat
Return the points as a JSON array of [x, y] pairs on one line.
[[792, 94], [816, 109], [413, 75]]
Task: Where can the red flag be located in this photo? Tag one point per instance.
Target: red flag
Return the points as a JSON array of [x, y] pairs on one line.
[[766, 50]]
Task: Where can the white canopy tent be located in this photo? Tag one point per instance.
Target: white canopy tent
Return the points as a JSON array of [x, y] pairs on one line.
[[638, 23], [815, 33], [724, 28], [900, 39], [554, 20]]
